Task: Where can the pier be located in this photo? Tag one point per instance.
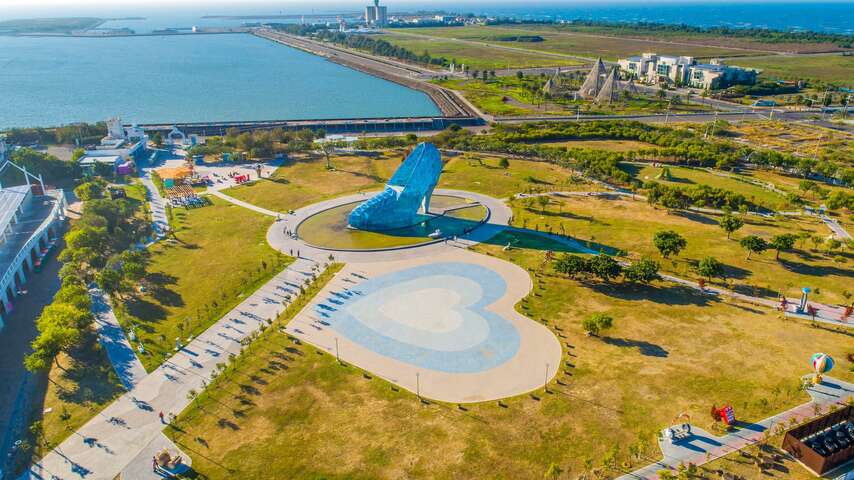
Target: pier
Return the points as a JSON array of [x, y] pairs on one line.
[[346, 125], [401, 73]]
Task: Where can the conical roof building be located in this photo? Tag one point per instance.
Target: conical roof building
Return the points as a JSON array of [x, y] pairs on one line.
[[610, 91], [632, 87], [554, 85], [590, 88]]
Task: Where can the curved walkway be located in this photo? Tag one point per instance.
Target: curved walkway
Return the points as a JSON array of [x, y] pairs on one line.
[[499, 216], [702, 447], [102, 448]]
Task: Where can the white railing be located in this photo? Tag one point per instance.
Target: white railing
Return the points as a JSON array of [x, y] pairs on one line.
[[34, 238]]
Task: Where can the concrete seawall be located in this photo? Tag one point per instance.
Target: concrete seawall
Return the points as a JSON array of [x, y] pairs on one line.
[[402, 74]]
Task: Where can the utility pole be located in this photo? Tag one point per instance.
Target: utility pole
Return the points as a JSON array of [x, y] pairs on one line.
[[417, 386], [546, 382], [337, 357]]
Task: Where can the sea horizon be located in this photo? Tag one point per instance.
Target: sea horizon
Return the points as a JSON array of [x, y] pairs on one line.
[[827, 16]]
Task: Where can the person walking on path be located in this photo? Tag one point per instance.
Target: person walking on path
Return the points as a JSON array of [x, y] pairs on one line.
[[161, 417]]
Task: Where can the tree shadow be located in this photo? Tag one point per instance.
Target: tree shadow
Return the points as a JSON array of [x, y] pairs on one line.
[[755, 291], [373, 177], [141, 308], [92, 376], [695, 217], [568, 215], [816, 270], [666, 295], [158, 290], [645, 348]]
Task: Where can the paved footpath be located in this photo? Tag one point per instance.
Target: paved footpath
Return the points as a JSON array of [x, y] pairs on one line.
[[115, 342], [702, 447], [103, 447], [157, 204]]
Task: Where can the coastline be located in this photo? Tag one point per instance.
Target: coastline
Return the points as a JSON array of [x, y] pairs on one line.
[[448, 102]]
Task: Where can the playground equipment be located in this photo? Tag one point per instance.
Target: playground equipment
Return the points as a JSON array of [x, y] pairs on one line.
[[802, 306], [821, 364], [678, 431], [724, 414], [167, 464]]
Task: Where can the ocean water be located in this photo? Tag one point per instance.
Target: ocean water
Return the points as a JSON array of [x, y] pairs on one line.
[[822, 15], [52, 81]]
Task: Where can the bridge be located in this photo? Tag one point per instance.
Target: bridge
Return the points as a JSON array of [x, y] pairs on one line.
[[345, 125]]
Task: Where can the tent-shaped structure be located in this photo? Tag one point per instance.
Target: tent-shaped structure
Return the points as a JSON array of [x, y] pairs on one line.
[[593, 83], [554, 85], [631, 87], [610, 91]]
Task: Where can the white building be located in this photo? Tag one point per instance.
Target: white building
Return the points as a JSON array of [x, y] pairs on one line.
[[30, 222], [655, 69], [376, 15]]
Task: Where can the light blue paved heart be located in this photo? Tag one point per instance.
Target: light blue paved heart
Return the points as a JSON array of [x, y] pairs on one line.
[[431, 316]]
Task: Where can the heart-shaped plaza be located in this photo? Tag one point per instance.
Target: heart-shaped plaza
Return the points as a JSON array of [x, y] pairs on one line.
[[442, 326]]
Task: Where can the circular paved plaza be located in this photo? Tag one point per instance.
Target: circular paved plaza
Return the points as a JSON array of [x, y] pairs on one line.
[[436, 319]]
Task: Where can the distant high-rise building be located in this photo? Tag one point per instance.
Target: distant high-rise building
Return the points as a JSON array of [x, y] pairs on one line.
[[376, 15]]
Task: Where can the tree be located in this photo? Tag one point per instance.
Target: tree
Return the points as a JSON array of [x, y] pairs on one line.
[[571, 265], [710, 267], [596, 323], [74, 294], [669, 242], [543, 200], [605, 267], [328, 148], [77, 154], [553, 471], [504, 163], [110, 281], [782, 242], [642, 271], [89, 191], [753, 244], [157, 139], [730, 224]]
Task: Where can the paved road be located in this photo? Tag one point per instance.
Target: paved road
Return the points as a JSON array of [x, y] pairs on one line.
[[160, 222], [702, 447], [837, 229], [101, 449], [112, 337]]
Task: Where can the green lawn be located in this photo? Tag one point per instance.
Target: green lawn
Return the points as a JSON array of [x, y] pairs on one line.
[[287, 410], [630, 225], [218, 256], [482, 174], [307, 181], [680, 176], [558, 41], [82, 385], [835, 69], [507, 96], [476, 57]]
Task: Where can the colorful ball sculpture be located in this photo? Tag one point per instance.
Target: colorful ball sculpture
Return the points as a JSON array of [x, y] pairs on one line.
[[821, 364]]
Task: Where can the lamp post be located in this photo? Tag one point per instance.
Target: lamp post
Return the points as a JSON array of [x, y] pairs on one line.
[[546, 382], [337, 357]]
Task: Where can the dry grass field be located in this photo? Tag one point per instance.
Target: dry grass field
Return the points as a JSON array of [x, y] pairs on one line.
[[288, 411]]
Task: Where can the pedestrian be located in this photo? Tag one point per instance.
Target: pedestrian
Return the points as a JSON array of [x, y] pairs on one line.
[[154, 463], [161, 417], [298, 254], [292, 252]]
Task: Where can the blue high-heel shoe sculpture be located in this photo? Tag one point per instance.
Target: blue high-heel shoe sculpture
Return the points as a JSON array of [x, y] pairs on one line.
[[406, 196]]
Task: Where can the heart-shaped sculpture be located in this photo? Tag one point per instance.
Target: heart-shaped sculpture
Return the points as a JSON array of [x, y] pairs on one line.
[[433, 316]]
